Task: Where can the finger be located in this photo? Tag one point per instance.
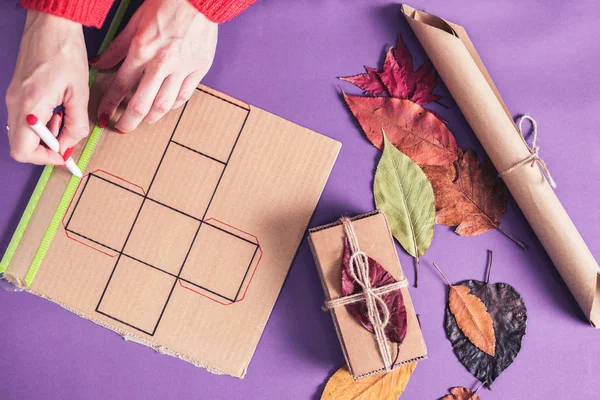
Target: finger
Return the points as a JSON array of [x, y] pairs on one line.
[[24, 142], [140, 104], [76, 117], [125, 79], [165, 99], [54, 124], [118, 48], [187, 88], [44, 156], [26, 148]]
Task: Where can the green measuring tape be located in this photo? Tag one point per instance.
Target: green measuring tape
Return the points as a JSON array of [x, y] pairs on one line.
[[71, 188]]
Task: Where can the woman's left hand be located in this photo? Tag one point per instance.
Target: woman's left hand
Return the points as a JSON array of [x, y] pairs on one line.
[[167, 47]]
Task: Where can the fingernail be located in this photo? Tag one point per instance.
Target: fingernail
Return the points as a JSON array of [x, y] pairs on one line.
[[31, 119], [94, 59], [103, 120], [68, 153], [120, 131]]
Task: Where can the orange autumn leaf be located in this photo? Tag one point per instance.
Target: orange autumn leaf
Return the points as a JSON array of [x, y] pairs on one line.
[[415, 131], [472, 318], [461, 393], [468, 194], [382, 386]]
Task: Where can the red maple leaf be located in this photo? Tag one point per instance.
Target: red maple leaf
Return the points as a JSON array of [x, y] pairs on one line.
[[398, 78], [369, 82]]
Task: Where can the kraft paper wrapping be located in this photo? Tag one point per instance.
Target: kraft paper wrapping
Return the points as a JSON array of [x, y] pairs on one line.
[[456, 60]]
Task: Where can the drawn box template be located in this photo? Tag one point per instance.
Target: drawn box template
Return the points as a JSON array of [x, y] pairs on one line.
[[181, 233]]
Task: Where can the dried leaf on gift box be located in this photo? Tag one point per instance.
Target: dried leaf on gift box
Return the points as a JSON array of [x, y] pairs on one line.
[[398, 79], [404, 194], [469, 195], [471, 316], [509, 315], [412, 129], [461, 393], [396, 329], [382, 386]]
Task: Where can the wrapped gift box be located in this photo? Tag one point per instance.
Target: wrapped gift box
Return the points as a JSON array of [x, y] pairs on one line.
[[358, 344]]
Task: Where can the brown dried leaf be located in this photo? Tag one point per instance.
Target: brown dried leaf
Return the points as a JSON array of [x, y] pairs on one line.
[[382, 386], [461, 393], [472, 318], [468, 195]]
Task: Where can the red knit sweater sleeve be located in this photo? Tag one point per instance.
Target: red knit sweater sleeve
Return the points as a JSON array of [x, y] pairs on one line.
[[86, 12], [93, 12], [221, 10]]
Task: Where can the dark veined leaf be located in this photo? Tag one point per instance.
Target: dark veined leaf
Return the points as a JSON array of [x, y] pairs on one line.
[[509, 314]]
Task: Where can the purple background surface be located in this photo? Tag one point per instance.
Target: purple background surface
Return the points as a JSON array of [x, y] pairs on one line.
[[284, 56]]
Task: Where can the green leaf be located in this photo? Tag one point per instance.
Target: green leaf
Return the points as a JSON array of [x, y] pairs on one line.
[[403, 192]]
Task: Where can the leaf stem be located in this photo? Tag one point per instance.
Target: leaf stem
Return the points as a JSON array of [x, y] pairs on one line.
[[397, 353], [417, 268], [489, 268], [473, 393], [479, 387], [511, 237], [441, 273]]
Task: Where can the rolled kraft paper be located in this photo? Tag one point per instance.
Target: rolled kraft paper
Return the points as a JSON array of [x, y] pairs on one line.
[[456, 60]]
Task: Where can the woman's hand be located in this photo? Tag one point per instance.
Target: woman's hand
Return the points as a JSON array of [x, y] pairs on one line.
[[167, 46], [52, 69]]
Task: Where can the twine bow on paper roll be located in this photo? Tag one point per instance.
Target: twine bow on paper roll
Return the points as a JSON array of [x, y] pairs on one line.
[[377, 311], [534, 150]]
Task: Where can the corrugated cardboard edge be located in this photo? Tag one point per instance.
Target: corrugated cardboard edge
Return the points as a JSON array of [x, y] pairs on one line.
[[136, 338], [328, 297]]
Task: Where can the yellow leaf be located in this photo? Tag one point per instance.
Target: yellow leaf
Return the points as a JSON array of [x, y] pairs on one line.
[[383, 386], [472, 318]]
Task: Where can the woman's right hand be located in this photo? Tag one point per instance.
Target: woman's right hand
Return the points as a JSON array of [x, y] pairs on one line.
[[52, 69]]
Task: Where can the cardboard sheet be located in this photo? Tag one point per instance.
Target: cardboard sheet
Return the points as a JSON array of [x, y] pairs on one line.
[[456, 60], [358, 344], [181, 233]]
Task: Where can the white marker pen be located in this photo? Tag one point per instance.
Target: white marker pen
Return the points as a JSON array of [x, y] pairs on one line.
[[47, 137]]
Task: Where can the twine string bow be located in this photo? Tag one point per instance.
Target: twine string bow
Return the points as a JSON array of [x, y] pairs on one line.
[[534, 150], [377, 311]]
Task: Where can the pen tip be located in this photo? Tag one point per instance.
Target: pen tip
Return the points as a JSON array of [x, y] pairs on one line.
[[32, 119], [71, 166]]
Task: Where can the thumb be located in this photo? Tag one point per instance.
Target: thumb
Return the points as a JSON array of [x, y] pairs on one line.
[[118, 48], [76, 120]]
